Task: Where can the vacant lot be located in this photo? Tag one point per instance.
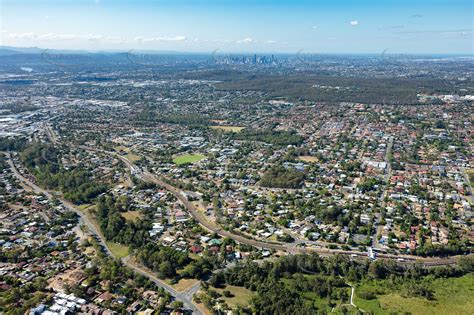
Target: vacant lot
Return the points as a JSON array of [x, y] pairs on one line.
[[188, 158], [119, 250], [131, 215], [129, 155], [308, 159], [451, 296], [241, 296], [228, 128], [132, 157]]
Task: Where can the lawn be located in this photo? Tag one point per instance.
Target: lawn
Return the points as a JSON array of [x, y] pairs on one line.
[[188, 158], [131, 215], [228, 128], [241, 296], [452, 296], [119, 250]]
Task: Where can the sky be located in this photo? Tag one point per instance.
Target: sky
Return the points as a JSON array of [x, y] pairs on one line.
[[251, 26]]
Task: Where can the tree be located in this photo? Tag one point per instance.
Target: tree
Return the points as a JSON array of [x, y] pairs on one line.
[[177, 305], [167, 270], [377, 270], [40, 283]]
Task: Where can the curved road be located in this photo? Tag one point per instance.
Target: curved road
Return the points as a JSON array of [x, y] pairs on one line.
[[185, 297]]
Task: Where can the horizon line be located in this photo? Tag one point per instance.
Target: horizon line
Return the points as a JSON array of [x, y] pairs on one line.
[[297, 52]]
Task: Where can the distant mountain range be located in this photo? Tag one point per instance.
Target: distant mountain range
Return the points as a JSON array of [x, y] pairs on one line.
[[10, 50], [37, 57]]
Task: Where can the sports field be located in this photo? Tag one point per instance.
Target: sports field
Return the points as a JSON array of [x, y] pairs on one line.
[[188, 158]]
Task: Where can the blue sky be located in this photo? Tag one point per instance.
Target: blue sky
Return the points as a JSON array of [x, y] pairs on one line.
[[337, 26]]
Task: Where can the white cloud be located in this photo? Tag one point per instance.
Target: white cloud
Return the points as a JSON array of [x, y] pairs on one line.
[[114, 39], [247, 40], [52, 36], [354, 23], [160, 39], [64, 37], [271, 41], [28, 35], [95, 37], [315, 27]]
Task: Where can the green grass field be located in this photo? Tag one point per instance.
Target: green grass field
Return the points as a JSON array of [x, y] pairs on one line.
[[452, 296], [188, 158], [119, 251], [241, 296]]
